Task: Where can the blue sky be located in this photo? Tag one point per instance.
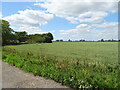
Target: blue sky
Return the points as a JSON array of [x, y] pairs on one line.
[[64, 22], [57, 23]]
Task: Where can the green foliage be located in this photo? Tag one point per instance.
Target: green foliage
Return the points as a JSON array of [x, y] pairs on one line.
[[8, 36], [76, 74], [40, 38], [21, 36]]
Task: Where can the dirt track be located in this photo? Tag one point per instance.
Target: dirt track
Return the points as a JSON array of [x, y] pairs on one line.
[[13, 77]]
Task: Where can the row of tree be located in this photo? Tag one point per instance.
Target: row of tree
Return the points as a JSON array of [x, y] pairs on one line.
[[61, 40], [82, 40], [40, 38], [9, 36]]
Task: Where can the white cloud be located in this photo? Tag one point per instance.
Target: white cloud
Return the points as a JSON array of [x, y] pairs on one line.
[[31, 30], [72, 20], [66, 32], [77, 10], [29, 20], [76, 7], [82, 28], [89, 16], [85, 11], [92, 17], [85, 31], [93, 14], [106, 25]]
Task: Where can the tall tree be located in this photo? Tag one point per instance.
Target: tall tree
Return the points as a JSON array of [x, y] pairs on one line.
[[41, 38], [11, 37], [21, 36], [48, 37], [8, 36]]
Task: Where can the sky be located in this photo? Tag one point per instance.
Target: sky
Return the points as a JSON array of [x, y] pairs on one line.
[[65, 19]]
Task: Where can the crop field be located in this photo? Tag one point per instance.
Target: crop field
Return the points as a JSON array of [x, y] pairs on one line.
[[75, 64], [92, 51]]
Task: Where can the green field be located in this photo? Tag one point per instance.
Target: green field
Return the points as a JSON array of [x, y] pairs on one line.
[[75, 64], [92, 51]]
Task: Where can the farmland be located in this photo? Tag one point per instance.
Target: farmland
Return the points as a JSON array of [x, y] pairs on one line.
[[75, 64], [93, 51]]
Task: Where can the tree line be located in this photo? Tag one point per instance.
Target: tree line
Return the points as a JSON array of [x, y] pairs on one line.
[[9, 36], [82, 40]]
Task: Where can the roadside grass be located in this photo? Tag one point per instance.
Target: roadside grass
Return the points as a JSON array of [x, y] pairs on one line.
[[75, 72]]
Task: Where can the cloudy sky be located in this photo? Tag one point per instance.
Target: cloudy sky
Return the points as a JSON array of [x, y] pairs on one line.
[[65, 19]]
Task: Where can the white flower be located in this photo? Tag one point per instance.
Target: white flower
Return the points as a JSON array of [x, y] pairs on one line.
[[80, 86]]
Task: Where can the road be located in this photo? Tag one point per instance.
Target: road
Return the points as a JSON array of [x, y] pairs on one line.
[[13, 77]]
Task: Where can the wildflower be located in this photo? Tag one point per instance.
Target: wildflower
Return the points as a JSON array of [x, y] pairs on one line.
[[80, 86]]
